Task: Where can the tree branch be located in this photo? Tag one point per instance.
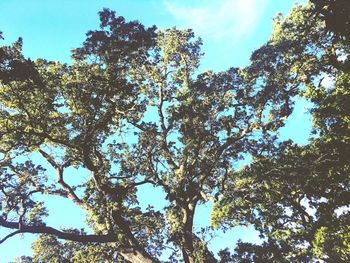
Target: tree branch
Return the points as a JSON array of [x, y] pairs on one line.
[[164, 133], [66, 187], [10, 235], [52, 231]]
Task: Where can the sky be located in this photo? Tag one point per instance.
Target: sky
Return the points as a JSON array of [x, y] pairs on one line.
[[231, 30]]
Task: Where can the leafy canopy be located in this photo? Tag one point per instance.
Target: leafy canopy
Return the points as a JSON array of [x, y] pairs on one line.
[[132, 109]]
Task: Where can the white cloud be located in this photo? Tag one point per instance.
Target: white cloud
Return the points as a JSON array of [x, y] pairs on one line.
[[230, 19]]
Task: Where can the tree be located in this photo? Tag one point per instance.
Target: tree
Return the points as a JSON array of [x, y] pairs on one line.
[[205, 123], [298, 196], [202, 125]]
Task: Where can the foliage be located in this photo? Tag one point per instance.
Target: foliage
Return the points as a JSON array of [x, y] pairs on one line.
[[298, 196], [336, 14], [133, 109]]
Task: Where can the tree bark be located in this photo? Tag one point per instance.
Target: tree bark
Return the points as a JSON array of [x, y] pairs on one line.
[[137, 256], [133, 254], [187, 240], [136, 253], [190, 239], [43, 229]]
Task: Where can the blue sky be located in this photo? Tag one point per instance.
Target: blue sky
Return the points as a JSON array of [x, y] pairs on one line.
[[230, 29]]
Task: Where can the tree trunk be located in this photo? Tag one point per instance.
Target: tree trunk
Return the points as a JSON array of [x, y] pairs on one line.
[[187, 240], [137, 256], [136, 253], [190, 241]]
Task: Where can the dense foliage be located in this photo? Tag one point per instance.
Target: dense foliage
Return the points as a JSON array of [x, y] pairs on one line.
[[298, 196], [133, 109]]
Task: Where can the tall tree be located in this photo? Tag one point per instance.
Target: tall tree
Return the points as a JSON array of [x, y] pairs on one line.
[[133, 109], [77, 116]]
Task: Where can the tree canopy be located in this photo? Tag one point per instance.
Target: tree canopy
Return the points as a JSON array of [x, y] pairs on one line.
[[133, 109]]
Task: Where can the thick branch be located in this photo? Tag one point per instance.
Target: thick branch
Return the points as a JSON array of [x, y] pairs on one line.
[[138, 254], [52, 231]]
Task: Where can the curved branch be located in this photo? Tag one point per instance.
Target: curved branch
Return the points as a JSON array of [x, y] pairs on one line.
[[59, 170], [52, 231], [10, 235]]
